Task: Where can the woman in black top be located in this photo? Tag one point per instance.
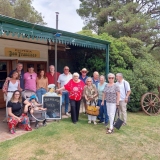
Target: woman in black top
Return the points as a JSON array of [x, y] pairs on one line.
[[15, 113]]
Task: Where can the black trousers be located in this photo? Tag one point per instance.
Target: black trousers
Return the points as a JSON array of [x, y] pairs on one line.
[[75, 106]]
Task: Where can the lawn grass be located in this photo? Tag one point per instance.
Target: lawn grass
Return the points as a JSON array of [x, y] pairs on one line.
[[139, 140]]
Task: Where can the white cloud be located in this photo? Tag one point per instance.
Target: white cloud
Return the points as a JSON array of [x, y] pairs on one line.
[[69, 20]]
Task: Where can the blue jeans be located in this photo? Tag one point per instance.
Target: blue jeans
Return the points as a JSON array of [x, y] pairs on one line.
[[39, 94], [103, 111], [65, 99]]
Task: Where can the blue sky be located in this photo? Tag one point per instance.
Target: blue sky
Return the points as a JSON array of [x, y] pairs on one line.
[[69, 20]]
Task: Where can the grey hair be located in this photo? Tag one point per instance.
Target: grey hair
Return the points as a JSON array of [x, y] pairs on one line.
[[103, 77], [19, 63], [51, 65], [95, 72], [119, 74], [111, 75], [75, 74], [88, 79]]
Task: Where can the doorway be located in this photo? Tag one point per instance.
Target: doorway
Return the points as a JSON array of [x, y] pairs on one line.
[[5, 67]]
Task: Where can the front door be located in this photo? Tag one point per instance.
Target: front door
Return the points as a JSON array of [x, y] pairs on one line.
[[5, 67]]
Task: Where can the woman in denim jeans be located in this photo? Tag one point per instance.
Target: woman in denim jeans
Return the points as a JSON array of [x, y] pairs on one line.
[[42, 85], [103, 108]]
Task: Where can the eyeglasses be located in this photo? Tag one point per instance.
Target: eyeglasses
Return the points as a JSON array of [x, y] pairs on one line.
[[31, 76], [89, 81], [84, 72], [111, 78], [66, 69]]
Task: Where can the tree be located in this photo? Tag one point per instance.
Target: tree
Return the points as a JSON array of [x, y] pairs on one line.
[[21, 9], [88, 12], [128, 56], [25, 11], [6, 8], [137, 19]]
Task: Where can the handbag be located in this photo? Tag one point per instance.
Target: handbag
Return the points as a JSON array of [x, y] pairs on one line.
[[118, 122], [93, 110]]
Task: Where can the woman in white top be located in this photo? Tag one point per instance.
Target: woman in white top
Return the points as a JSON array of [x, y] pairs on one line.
[[11, 85]]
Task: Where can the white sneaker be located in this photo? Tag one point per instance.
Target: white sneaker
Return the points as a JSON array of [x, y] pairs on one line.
[[89, 122], [95, 122], [67, 114]]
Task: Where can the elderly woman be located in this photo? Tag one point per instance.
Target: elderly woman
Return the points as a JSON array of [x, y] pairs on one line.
[[75, 88], [103, 116], [15, 113], [90, 93], [111, 94]]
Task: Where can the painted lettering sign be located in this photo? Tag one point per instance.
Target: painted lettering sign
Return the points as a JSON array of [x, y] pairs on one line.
[[53, 105], [25, 53]]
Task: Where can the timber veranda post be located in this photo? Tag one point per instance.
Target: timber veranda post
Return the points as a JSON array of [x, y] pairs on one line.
[[107, 60], [57, 13]]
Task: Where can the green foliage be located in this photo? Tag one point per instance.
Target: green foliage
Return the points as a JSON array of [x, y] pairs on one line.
[[136, 19], [25, 11], [21, 9], [6, 8], [130, 57]]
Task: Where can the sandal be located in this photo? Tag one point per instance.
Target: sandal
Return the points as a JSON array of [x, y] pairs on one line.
[[109, 131], [12, 131]]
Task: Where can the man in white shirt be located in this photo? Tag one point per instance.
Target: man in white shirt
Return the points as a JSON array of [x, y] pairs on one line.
[[124, 94], [62, 80]]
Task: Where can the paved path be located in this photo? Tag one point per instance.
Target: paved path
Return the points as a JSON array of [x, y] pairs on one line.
[[4, 132]]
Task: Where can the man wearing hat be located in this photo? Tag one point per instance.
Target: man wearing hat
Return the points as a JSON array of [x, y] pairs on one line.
[[83, 76], [30, 79]]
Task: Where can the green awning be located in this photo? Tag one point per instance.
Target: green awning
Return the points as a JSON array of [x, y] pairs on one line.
[[14, 27]]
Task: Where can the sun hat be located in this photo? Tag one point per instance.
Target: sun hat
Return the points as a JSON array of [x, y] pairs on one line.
[[84, 69]]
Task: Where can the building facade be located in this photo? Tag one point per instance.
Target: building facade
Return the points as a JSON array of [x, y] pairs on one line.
[[34, 44]]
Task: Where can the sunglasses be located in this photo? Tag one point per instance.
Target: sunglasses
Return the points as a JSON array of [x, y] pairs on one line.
[[89, 81], [84, 72], [31, 76], [111, 78], [66, 69]]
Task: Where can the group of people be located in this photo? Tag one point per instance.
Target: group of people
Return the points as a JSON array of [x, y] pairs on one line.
[[95, 91], [75, 89]]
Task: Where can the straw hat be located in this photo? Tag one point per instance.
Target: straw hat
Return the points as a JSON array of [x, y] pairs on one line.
[[84, 69]]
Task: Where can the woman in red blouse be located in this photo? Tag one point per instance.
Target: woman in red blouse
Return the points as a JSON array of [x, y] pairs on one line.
[[75, 88]]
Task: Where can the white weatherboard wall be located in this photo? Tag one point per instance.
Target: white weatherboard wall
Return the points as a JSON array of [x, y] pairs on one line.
[[43, 49]]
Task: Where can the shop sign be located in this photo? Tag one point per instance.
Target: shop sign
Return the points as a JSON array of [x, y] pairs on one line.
[[25, 53]]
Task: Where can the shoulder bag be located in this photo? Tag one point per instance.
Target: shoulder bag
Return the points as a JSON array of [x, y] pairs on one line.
[[118, 122]]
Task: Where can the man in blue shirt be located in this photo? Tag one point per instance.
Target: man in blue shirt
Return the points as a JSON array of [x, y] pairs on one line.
[[95, 78], [84, 76]]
